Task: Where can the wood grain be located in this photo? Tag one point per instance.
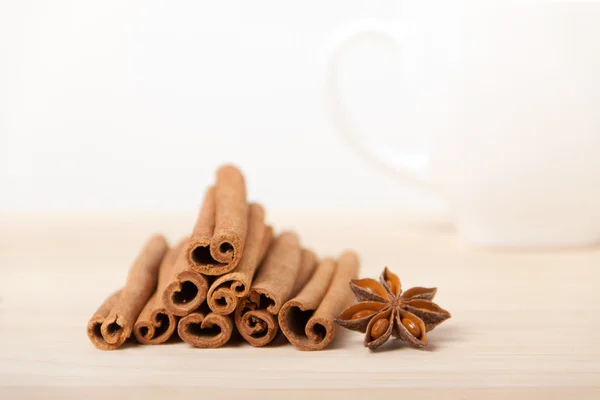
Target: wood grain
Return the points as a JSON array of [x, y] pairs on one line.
[[525, 324]]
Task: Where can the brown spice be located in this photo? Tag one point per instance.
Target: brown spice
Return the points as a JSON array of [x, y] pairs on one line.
[[256, 314], [205, 329], [308, 264], [256, 325], [112, 324], [384, 310], [224, 293], [379, 328], [155, 323], [185, 288], [93, 328], [307, 319], [362, 314], [217, 241], [276, 278]]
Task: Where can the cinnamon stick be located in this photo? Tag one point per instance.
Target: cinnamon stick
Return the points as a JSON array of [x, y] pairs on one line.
[[224, 293], [155, 323], [258, 326], [95, 323], [256, 315], [185, 288], [307, 267], [112, 324], [217, 242], [307, 319], [205, 329], [264, 247], [276, 278]]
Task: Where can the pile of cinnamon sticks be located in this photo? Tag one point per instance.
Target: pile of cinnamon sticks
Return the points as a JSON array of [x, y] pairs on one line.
[[231, 274]]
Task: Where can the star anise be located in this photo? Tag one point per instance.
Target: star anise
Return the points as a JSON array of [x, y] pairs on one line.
[[384, 310]]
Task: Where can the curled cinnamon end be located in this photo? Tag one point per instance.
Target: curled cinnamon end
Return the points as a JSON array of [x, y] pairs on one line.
[[256, 325], [115, 330], [307, 320], [256, 315], [222, 301], [186, 292], [94, 325], [114, 320], [224, 293], [217, 241], [297, 312], [205, 329], [156, 324], [158, 328], [298, 326], [186, 289]]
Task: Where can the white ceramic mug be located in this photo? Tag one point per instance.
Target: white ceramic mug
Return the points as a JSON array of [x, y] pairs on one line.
[[508, 94]]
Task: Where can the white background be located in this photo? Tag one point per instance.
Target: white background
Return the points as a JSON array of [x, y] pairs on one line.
[[132, 105]]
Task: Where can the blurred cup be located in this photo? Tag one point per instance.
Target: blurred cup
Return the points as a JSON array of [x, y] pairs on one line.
[[507, 95]]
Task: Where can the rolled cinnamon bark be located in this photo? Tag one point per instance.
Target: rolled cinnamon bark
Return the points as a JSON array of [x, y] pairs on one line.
[[264, 247], [307, 319], [185, 288], [155, 323], [217, 242], [205, 329], [225, 292], [276, 278], [258, 326], [112, 323], [308, 264], [93, 327], [256, 315]]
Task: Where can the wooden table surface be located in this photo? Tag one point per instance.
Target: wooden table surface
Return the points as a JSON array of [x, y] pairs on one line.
[[526, 324]]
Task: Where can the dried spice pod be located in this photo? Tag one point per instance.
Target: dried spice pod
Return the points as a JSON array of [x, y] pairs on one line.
[[379, 328], [430, 313], [186, 289], [391, 283], [112, 324], [205, 329], [357, 316], [368, 289], [225, 292], [406, 315], [307, 320], [419, 293], [410, 328], [156, 324], [217, 241]]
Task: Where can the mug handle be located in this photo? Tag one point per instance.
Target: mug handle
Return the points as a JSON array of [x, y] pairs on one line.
[[412, 167]]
